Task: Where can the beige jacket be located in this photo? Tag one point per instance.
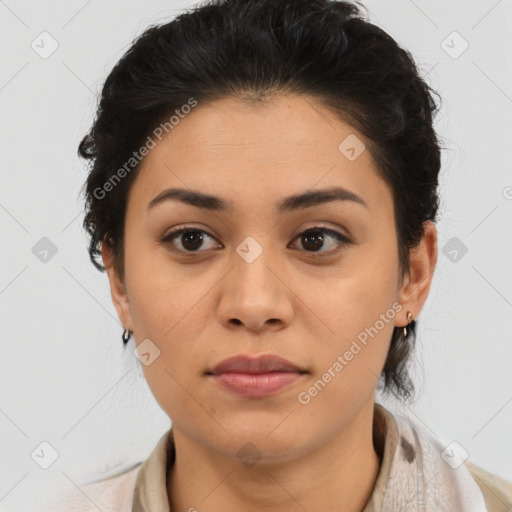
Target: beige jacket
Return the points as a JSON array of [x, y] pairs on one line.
[[143, 488]]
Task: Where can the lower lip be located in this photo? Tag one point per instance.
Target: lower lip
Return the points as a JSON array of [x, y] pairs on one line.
[[256, 385]]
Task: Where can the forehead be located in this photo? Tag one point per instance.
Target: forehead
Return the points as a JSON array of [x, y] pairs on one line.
[[247, 152]]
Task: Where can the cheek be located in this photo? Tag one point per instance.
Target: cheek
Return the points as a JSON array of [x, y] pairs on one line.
[[161, 294], [359, 310], [169, 307], [349, 362]]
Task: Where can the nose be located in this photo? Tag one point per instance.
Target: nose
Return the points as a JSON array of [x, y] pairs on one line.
[[255, 294]]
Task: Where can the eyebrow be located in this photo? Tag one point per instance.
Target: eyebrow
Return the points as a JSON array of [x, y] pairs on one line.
[[295, 202]]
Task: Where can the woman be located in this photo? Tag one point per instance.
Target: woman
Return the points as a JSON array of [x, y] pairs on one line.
[[263, 195]]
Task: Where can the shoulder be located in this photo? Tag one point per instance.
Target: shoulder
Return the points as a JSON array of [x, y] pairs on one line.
[[497, 491], [470, 481], [108, 495]]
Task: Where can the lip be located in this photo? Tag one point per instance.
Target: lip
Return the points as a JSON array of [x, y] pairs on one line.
[[255, 377], [265, 363]]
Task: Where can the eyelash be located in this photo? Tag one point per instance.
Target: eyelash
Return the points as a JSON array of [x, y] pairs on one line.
[[343, 240]]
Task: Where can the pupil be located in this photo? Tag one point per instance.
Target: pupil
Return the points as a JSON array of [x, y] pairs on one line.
[[316, 238], [192, 240]]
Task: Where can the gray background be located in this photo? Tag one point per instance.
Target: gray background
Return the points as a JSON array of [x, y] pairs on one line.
[[64, 377]]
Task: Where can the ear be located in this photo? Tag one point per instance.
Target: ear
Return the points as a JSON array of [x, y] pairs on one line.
[[117, 288], [416, 286]]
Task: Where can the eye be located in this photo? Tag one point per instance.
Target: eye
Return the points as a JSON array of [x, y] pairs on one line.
[[190, 239], [315, 238]]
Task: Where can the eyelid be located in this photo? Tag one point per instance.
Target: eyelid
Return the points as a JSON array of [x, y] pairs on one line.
[[321, 226]]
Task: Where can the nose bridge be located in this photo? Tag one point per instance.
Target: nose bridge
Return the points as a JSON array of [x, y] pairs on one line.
[[253, 257]]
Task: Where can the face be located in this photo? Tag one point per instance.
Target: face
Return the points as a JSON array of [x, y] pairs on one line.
[[316, 283]]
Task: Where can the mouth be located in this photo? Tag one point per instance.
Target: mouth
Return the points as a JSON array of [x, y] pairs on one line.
[[246, 363], [258, 377]]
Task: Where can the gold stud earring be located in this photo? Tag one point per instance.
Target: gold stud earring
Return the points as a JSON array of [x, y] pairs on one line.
[[409, 318]]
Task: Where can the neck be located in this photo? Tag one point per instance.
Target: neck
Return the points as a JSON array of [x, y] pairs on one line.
[[338, 475]]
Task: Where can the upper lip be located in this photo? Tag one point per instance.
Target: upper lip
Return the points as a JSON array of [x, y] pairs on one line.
[[250, 364]]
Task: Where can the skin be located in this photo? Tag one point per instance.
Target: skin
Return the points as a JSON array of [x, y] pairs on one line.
[[201, 310]]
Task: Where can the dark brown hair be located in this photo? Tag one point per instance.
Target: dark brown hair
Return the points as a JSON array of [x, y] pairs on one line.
[[251, 49]]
